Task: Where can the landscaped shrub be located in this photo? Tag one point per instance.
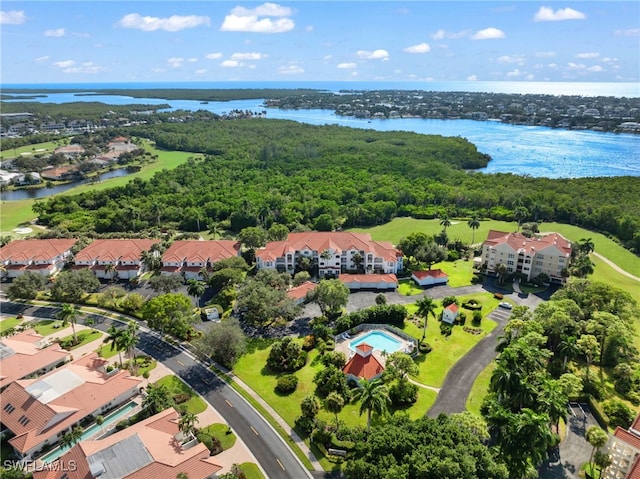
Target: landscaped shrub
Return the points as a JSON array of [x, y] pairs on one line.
[[334, 358], [594, 388], [462, 318], [322, 331], [448, 300], [212, 443], [477, 318], [472, 305], [381, 299], [181, 398], [330, 344], [619, 413], [425, 347], [394, 314], [309, 342], [446, 329], [342, 444], [305, 424], [403, 393], [286, 355], [287, 384], [323, 436]]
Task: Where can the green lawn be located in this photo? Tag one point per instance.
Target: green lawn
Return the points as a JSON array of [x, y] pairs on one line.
[[435, 365], [605, 273], [251, 471], [480, 389], [9, 323], [84, 337], [408, 287], [401, 227], [36, 149], [175, 386], [219, 431], [105, 351], [49, 326]]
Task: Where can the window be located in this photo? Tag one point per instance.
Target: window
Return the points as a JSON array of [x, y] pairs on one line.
[[541, 256], [510, 263], [561, 260], [538, 263], [9, 408], [511, 255], [23, 420]]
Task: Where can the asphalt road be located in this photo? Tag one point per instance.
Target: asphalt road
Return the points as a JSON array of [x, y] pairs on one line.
[[269, 449]]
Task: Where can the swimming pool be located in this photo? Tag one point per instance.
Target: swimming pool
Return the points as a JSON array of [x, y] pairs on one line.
[[92, 430], [378, 340]]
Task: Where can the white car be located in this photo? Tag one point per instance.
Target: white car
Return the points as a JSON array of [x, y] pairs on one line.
[[506, 305]]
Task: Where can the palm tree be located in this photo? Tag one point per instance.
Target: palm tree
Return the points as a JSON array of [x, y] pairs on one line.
[[568, 347], [187, 421], [374, 398], [502, 271], [151, 260], [426, 307], [445, 222], [357, 259], [195, 288], [520, 213], [474, 224], [69, 314], [129, 340], [334, 403], [110, 270], [115, 338], [586, 246]]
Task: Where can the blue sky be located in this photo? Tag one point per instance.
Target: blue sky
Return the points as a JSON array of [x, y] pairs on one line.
[[170, 41]]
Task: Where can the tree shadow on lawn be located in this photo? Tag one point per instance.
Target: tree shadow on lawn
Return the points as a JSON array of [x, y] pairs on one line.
[[258, 344]]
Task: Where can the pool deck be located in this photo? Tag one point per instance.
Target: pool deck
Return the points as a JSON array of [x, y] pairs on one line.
[[343, 341]]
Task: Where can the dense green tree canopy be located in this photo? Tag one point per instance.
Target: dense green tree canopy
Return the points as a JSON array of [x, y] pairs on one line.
[[405, 449]]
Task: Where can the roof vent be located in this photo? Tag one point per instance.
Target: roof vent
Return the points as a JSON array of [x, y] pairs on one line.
[[97, 469]]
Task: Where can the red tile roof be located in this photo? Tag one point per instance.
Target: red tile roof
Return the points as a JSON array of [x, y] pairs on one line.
[[453, 307], [432, 273], [89, 389], [299, 292], [28, 356], [338, 241], [627, 437], [369, 278], [367, 367], [35, 249], [200, 251], [112, 250], [517, 241], [157, 435]]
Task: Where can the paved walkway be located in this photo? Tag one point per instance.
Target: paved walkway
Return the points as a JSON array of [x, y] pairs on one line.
[[615, 266]]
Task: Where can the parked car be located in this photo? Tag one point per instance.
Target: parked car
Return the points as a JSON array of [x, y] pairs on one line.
[[506, 305]]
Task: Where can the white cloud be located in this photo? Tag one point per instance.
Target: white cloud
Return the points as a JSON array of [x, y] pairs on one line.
[[588, 55], [247, 56], [472, 78], [346, 66], [546, 14], [326, 58], [174, 23], [488, 34], [595, 68], [374, 55], [519, 59], [514, 73], [231, 64], [85, 67], [192, 60], [546, 54], [308, 28], [58, 32], [267, 9], [213, 56], [443, 34], [42, 59], [419, 48], [12, 17], [201, 71], [630, 32], [290, 70], [175, 62], [243, 19], [65, 64]]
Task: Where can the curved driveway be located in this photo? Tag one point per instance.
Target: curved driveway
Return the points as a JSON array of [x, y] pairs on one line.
[[269, 449]]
